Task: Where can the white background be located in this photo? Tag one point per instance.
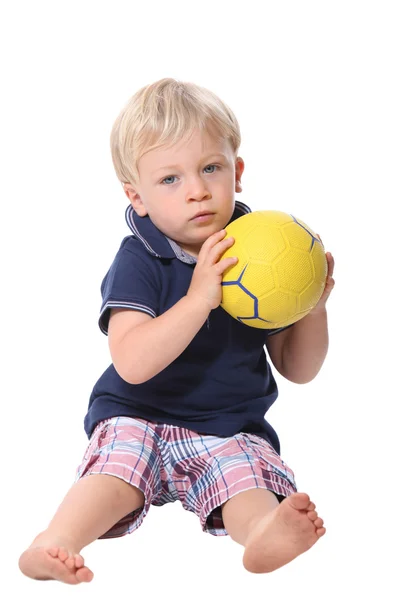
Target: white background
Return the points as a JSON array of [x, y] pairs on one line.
[[315, 86]]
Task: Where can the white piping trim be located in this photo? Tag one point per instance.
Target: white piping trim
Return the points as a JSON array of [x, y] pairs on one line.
[[130, 305]]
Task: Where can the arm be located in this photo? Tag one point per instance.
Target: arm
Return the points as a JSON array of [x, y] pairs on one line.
[[141, 346], [298, 353]]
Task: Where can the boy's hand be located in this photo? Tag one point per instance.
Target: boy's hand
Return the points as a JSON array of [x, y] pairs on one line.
[[207, 275]]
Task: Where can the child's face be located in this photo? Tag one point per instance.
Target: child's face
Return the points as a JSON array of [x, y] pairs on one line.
[[178, 182]]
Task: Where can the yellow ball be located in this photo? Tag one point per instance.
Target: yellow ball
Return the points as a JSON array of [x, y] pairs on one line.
[[281, 270]]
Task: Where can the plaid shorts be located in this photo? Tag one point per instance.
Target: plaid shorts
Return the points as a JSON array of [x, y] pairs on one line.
[[169, 463]]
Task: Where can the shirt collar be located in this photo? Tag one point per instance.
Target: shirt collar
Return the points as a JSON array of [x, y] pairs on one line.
[[158, 244]]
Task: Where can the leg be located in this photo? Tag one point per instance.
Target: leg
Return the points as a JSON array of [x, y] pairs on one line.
[[273, 534], [91, 507], [243, 510]]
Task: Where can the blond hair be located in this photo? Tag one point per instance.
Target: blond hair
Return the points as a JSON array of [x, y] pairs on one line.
[[164, 113]]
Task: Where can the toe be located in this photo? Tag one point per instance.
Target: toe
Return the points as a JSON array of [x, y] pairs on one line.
[[299, 501], [318, 523], [53, 552], [70, 563], [321, 531], [84, 575], [311, 506], [312, 515], [79, 561], [63, 554]]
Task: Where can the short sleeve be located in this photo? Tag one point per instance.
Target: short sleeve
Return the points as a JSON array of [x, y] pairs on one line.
[[270, 332], [131, 283]]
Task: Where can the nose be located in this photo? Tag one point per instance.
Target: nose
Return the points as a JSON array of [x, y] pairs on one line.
[[197, 190]]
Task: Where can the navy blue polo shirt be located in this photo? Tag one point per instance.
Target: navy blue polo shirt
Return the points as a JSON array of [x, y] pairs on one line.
[[220, 385]]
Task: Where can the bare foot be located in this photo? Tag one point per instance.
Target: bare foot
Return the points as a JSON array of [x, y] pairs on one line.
[[46, 561], [289, 530]]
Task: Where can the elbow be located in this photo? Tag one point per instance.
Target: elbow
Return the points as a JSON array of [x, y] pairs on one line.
[[131, 380], [300, 378], [298, 372], [131, 376], [132, 372], [294, 377]]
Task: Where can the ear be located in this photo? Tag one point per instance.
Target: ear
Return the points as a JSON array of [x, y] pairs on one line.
[[239, 168], [135, 200]]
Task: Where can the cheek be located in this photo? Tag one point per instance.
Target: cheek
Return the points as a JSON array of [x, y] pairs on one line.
[[168, 221], [227, 184]]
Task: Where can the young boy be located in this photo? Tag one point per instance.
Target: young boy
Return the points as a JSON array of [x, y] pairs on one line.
[[179, 415]]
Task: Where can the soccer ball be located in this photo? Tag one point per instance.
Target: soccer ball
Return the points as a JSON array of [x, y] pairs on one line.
[[281, 270]]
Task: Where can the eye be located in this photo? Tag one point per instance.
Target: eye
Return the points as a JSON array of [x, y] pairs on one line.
[[165, 180], [215, 167]]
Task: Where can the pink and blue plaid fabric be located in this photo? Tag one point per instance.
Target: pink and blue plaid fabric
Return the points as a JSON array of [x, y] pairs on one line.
[[169, 463]]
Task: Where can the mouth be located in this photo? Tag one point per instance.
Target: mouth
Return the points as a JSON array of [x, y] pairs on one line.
[[202, 216]]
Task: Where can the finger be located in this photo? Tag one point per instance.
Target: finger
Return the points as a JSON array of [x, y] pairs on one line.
[[330, 283], [331, 263], [215, 238], [210, 243], [225, 263], [217, 251]]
